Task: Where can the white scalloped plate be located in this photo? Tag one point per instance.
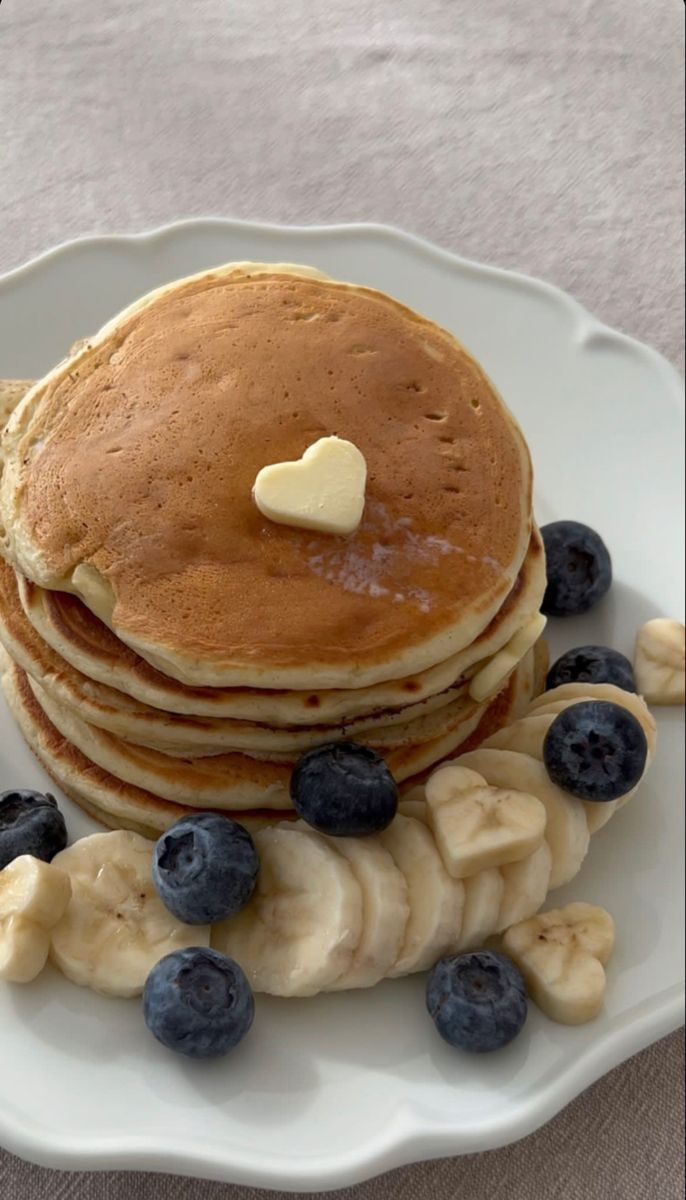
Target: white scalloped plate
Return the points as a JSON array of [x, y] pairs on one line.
[[329, 1091]]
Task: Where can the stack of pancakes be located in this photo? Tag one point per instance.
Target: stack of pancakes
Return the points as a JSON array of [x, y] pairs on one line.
[[167, 646]]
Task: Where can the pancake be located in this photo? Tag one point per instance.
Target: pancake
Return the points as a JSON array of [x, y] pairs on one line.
[[178, 736], [181, 736], [229, 780], [121, 805], [172, 734], [84, 642], [128, 476], [456, 710], [109, 800], [88, 645]]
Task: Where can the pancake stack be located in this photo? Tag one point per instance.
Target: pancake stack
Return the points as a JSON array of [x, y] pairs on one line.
[[168, 648]]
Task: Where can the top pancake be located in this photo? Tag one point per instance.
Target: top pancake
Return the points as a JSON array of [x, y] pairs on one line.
[[129, 469]]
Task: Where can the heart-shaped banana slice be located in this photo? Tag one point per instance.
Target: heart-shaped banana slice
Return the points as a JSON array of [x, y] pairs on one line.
[[323, 490], [659, 661], [562, 955], [477, 826], [33, 897]]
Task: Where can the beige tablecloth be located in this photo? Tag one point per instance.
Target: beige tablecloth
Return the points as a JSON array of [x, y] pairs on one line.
[[545, 135]]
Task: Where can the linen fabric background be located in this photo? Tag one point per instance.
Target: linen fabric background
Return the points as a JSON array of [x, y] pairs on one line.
[[541, 135]]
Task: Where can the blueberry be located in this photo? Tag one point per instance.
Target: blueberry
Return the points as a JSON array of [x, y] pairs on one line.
[[198, 1002], [578, 568], [596, 750], [204, 868], [344, 789], [592, 664], [477, 1001], [30, 823]]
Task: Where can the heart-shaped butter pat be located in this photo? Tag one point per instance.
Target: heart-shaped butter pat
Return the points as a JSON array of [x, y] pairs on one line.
[[323, 490], [477, 826], [562, 956]]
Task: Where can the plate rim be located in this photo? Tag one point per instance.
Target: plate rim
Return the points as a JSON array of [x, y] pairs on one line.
[[409, 1136], [407, 1139]]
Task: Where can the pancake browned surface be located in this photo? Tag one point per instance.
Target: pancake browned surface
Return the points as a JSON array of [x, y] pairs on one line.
[[129, 472]]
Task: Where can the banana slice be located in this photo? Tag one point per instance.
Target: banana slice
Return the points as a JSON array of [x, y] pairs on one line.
[[482, 905], [477, 826], [558, 699], [526, 887], [659, 661], [566, 830], [385, 911], [115, 927], [35, 890], [414, 806], [562, 955], [525, 736], [561, 697], [299, 932], [24, 950], [436, 901], [33, 897]]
